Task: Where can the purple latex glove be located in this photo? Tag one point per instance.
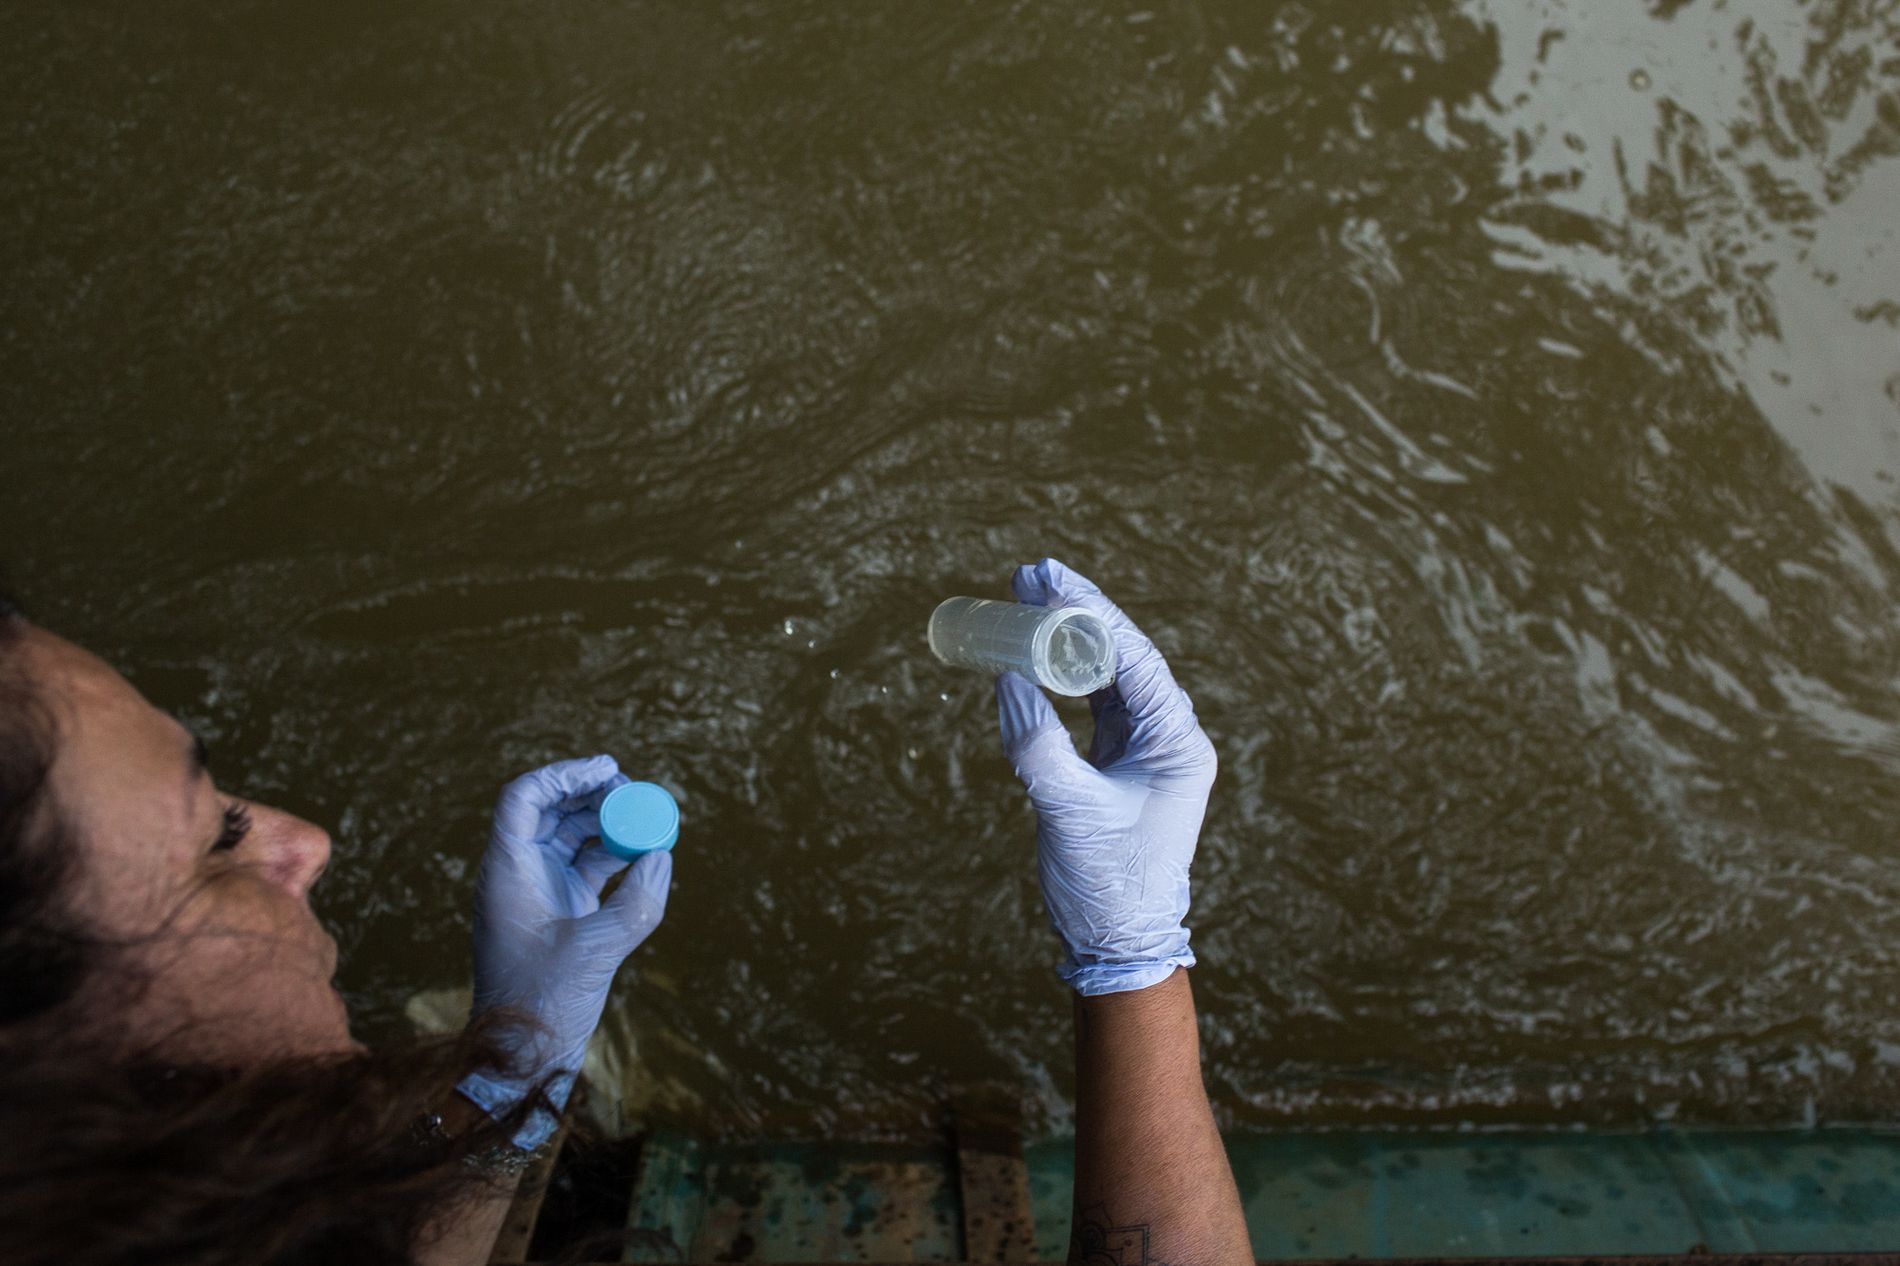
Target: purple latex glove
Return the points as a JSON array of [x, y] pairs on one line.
[[1115, 833], [545, 943]]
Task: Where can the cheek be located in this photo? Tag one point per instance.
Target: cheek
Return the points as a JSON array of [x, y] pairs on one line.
[[246, 979]]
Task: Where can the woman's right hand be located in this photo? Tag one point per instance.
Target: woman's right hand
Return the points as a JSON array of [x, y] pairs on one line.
[[1115, 833], [545, 943]]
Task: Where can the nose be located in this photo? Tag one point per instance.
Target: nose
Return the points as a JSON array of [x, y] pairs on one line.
[[292, 852]]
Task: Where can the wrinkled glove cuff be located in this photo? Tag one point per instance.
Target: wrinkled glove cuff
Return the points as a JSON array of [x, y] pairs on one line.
[[499, 1098], [1091, 979]]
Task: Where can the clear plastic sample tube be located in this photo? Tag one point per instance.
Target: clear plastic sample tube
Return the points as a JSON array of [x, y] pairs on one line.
[[1067, 650]]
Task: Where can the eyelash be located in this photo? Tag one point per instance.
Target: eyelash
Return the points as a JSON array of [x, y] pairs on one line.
[[237, 825]]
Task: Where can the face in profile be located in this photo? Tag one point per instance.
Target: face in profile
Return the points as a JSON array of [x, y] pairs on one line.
[[203, 897]]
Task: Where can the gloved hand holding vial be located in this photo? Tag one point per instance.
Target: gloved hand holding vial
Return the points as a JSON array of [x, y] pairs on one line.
[[1115, 835], [1116, 832]]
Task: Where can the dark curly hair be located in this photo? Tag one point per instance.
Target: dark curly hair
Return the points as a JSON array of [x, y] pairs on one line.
[[42, 954], [304, 1161]]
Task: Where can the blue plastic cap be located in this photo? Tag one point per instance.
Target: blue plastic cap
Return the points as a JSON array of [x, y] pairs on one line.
[[640, 817]]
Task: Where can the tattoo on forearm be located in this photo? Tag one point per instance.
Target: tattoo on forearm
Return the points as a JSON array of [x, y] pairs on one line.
[[1097, 1240]]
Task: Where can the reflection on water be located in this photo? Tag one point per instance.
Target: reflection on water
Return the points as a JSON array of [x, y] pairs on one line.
[[1493, 409]]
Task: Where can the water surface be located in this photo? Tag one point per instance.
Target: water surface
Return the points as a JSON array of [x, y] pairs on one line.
[[1492, 408]]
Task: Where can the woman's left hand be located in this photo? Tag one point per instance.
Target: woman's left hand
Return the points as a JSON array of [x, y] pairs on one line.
[[545, 943]]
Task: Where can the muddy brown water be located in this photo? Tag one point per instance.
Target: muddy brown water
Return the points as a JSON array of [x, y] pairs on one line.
[[1492, 408]]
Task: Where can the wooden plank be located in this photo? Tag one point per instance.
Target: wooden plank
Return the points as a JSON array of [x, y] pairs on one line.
[[994, 1180], [517, 1229]]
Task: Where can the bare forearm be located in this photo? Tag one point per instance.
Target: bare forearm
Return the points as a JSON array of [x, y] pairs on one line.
[[1152, 1182], [464, 1234]]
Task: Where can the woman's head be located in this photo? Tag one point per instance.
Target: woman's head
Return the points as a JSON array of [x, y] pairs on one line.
[[177, 1080], [138, 902]]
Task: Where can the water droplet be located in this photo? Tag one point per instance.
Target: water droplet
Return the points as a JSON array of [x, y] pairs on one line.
[[913, 753], [811, 645], [944, 697], [1639, 80], [788, 627]]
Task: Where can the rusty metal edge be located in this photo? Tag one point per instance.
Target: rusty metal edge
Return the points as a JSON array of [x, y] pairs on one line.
[[1661, 1259], [1608, 1259]]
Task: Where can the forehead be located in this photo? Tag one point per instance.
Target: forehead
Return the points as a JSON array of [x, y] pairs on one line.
[[125, 776], [96, 708]]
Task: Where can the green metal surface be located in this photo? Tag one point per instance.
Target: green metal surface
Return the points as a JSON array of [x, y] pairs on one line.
[[1418, 1195], [1331, 1195]]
